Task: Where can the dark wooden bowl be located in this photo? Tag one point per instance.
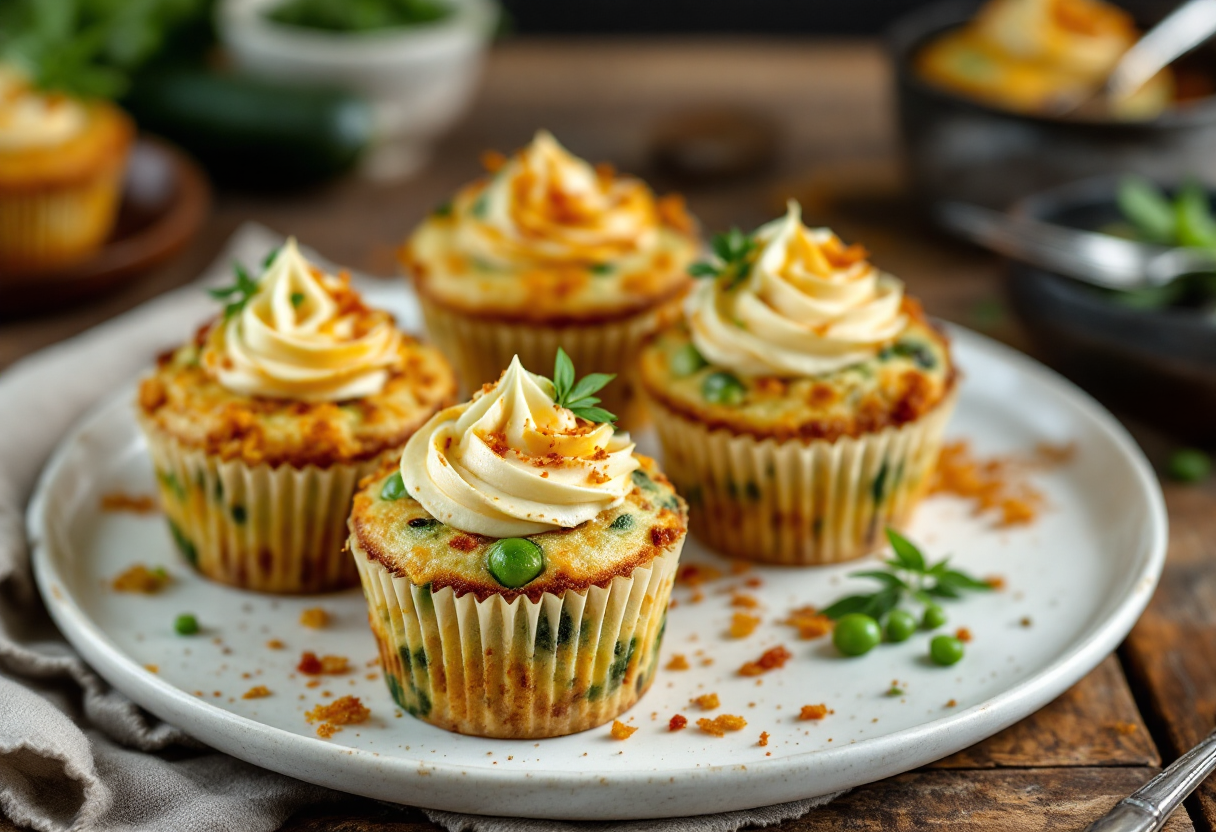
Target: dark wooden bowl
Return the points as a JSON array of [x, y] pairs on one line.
[[164, 202], [957, 148], [1159, 364]]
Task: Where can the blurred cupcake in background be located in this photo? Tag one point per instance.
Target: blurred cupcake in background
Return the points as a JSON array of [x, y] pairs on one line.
[[61, 168], [547, 252], [1039, 55], [519, 561], [261, 426], [802, 404]]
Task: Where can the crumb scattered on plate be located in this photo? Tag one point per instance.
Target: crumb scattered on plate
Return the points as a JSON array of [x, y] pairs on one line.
[[769, 660], [256, 692], [134, 503], [345, 711], [314, 617], [621, 731], [719, 725], [140, 578]]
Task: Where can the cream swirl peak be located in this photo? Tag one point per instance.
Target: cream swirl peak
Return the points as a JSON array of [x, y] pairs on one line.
[[512, 462], [301, 334], [31, 119], [545, 205], [800, 304]]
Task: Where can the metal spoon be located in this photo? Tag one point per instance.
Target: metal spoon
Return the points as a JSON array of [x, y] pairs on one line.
[[1177, 33], [1147, 809], [1100, 259]]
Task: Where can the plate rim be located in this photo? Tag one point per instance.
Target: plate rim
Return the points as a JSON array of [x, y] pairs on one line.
[[227, 731]]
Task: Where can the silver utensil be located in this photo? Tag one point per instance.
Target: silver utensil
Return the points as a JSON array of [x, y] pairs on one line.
[[1147, 809], [1177, 33], [1100, 259]]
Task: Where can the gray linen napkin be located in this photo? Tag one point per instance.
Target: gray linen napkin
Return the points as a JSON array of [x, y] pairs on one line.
[[78, 755]]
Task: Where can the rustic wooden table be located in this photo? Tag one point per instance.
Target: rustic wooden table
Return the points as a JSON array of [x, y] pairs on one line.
[[1060, 768]]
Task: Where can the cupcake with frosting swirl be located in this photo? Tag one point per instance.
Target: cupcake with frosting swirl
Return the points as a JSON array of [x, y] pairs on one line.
[[801, 404], [548, 251], [518, 561], [262, 425]]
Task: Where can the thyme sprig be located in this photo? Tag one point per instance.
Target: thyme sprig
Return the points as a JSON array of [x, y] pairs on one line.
[[579, 397]]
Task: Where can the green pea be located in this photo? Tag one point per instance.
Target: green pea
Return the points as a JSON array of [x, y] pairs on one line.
[[723, 388], [1189, 465], [945, 650], [514, 561], [686, 360], [856, 634], [186, 625], [393, 488], [934, 617], [901, 624]]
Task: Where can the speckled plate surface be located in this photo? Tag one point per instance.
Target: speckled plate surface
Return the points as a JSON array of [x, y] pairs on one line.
[[1080, 576]]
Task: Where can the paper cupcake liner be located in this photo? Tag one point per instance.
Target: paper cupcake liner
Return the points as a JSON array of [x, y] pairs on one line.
[[53, 227], [268, 529], [799, 503], [482, 349], [523, 669]]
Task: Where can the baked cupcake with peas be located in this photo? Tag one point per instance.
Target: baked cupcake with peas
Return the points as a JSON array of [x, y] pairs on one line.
[[519, 561], [262, 425], [546, 252], [801, 405]]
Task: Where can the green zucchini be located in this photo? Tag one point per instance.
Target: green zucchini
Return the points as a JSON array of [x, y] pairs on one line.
[[252, 132]]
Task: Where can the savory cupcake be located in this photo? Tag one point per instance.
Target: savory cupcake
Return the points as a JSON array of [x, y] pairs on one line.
[[261, 427], [1040, 56], [61, 168], [801, 407], [519, 561], [548, 251]]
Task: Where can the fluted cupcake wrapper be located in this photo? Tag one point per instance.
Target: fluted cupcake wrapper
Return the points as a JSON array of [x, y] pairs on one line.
[[268, 529], [799, 502], [519, 669], [45, 228], [482, 349]]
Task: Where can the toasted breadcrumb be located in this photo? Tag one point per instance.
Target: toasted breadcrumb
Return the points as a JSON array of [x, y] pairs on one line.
[[345, 711], [952, 703], [256, 692], [963, 635], [743, 625], [809, 622], [275, 644], [314, 617], [134, 503], [696, 574], [677, 662], [738, 567], [678, 723], [763, 739], [328, 665], [152, 668], [707, 701], [621, 731], [1000, 484], [813, 712], [140, 578], [740, 599], [769, 660], [719, 725]]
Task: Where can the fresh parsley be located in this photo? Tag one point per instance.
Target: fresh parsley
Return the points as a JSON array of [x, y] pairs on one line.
[[732, 258], [579, 397], [236, 296], [908, 575]]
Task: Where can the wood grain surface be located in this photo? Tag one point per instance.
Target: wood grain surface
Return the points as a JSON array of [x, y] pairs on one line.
[[837, 152]]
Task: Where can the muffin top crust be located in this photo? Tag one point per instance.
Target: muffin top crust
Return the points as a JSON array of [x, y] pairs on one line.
[[546, 237], [298, 371], [793, 334], [389, 526]]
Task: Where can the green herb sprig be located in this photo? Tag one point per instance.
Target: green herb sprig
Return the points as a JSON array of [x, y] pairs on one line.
[[732, 258], [579, 397], [236, 296], [908, 576]]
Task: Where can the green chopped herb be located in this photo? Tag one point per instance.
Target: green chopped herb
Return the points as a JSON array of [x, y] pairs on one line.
[[732, 258], [578, 397], [358, 15], [236, 296], [1189, 465], [297, 298], [1148, 210], [895, 691], [424, 523], [481, 206], [270, 257], [443, 209], [239, 514], [186, 625], [601, 269]]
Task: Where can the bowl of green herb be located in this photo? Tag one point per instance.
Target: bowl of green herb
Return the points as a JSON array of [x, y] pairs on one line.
[[1151, 351], [416, 61]]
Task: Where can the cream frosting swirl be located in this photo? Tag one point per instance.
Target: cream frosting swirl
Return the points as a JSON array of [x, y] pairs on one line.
[[303, 335], [545, 205], [807, 306], [30, 119], [512, 463]]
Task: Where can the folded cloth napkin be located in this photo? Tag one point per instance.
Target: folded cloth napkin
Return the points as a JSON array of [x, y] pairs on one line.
[[76, 754]]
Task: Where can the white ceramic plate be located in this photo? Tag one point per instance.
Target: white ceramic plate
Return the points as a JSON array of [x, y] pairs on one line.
[[1081, 574]]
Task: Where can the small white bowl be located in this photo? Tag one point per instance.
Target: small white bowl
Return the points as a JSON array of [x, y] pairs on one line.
[[418, 79]]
